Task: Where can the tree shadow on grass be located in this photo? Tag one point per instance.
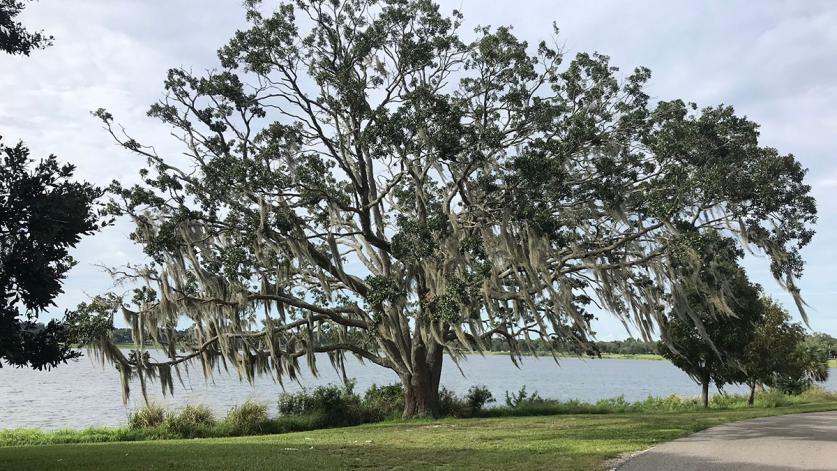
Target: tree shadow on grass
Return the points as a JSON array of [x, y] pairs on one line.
[[287, 456]]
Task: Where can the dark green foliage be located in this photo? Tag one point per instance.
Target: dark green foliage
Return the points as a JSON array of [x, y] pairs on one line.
[[825, 343], [332, 405], [699, 337], [450, 405], [628, 346], [772, 356], [522, 398], [476, 398], [387, 400], [808, 364], [43, 214], [14, 38]]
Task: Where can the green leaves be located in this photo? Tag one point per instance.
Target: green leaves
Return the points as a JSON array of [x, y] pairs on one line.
[[14, 37], [43, 214], [364, 155]]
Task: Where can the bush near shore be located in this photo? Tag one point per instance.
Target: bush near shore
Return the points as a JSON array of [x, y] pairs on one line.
[[338, 406]]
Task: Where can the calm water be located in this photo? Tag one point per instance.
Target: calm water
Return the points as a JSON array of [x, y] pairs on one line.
[[83, 393]]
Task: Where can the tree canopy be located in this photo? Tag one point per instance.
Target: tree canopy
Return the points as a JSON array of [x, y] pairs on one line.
[[714, 350], [781, 355], [361, 178], [43, 213], [14, 37]]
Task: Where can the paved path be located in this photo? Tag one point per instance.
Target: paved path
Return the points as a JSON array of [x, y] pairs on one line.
[[788, 442]]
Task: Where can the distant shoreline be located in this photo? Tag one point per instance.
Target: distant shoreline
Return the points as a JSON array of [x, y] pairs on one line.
[[604, 356]]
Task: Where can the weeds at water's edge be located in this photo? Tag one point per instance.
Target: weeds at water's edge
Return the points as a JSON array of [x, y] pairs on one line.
[[334, 406]]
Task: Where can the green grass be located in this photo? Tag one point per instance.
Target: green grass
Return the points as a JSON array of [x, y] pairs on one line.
[[832, 363], [566, 442], [155, 423]]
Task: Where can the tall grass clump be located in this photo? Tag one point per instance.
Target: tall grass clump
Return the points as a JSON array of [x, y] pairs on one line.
[[147, 416], [193, 421], [818, 394], [249, 418]]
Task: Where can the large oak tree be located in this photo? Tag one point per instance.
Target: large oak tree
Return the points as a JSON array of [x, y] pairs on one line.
[[361, 179]]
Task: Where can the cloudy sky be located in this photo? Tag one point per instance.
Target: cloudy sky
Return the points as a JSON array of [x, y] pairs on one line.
[[774, 61]]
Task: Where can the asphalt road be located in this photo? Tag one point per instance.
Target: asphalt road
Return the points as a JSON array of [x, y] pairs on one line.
[[789, 442]]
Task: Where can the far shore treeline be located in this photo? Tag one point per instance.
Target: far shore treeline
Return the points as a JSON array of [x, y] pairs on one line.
[[629, 346]]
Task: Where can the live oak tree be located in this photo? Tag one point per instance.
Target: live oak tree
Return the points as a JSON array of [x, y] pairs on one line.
[[360, 179], [43, 213], [715, 349]]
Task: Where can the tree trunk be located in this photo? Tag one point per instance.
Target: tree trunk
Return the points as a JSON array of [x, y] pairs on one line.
[[421, 387], [704, 393], [751, 399]]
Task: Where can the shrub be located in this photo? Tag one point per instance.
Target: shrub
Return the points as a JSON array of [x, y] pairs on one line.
[[522, 398], [332, 404], [385, 401], [248, 418], [148, 416], [613, 404], [727, 401], [450, 405], [793, 385], [818, 394], [773, 397], [670, 403], [477, 397], [197, 415], [192, 421]]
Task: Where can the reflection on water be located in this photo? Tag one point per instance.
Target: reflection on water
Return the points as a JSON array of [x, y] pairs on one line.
[[82, 393]]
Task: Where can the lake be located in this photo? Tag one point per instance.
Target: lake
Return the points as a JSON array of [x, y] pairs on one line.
[[82, 393]]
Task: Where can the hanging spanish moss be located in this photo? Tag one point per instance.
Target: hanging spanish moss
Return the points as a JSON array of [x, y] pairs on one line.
[[370, 184]]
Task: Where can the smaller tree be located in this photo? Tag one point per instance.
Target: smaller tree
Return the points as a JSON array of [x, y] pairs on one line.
[[808, 365], [42, 215], [773, 351], [823, 341], [781, 356], [698, 336], [14, 37]]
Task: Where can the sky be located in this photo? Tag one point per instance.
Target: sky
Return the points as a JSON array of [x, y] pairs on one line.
[[772, 60]]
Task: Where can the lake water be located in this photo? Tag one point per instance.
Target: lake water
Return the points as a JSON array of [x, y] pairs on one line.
[[82, 393]]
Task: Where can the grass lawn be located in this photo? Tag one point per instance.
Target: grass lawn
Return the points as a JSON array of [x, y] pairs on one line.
[[566, 442], [832, 363]]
